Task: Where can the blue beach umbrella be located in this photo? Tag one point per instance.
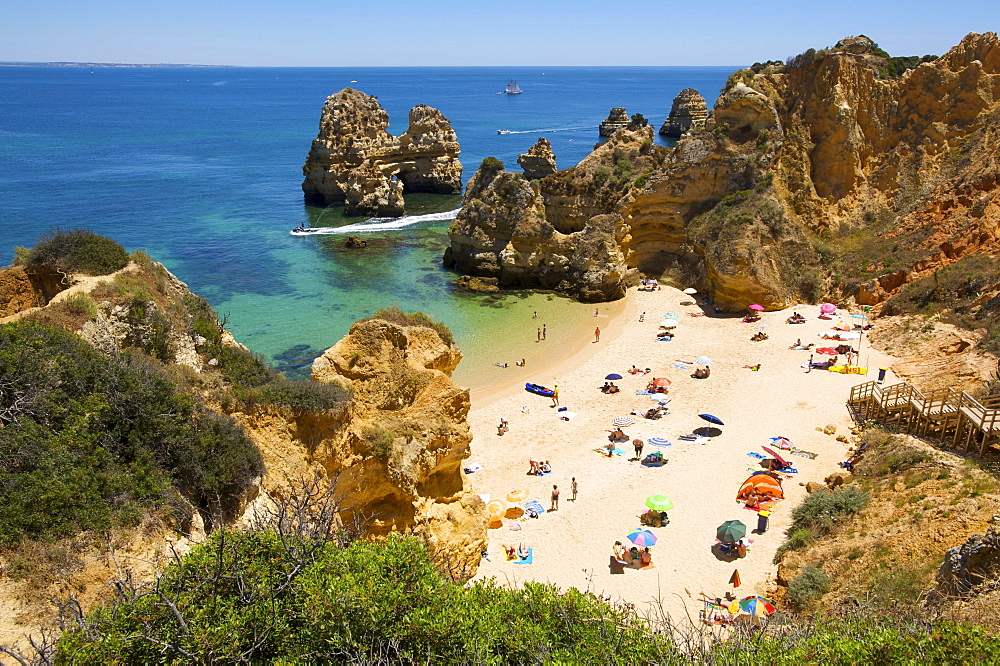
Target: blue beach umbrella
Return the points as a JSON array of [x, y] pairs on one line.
[[712, 419], [613, 376], [642, 538]]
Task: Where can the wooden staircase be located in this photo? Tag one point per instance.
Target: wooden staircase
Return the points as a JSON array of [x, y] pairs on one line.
[[952, 417]]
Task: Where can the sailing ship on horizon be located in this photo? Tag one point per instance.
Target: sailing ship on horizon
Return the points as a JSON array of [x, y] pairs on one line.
[[512, 88]]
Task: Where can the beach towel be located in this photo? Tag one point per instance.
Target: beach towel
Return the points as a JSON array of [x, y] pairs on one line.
[[644, 392], [527, 560], [758, 456], [604, 451], [472, 468], [805, 454], [681, 367], [665, 339], [514, 525], [534, 505]]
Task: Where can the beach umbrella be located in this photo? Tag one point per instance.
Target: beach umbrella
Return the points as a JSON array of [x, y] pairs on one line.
[[621, 421], [756, 307], [781, 442], [690, 291], [659, 503], [642, 538], [517, 495], [765, 325], [613, 375], [827, 308], [712, 419], [669, 323], [734, 580], [659, 397], [496, 507], [848, 335], [829, 351], [707, 432], [661, 382], [781, 461], [659, 441], [757, 606], [860, 316], [731, 531], [703, 360]]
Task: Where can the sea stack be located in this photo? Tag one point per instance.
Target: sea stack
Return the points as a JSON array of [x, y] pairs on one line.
[[355, 161], [688, 111], [539, 161], [616, 120]]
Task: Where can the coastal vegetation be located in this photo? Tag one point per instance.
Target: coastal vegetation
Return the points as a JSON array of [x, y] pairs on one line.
[[76, 251]]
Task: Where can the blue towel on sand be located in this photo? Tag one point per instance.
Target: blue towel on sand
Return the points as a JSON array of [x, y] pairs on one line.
[[527, 560], [644, 392], [665, 339], [758, 456], [534, 505]]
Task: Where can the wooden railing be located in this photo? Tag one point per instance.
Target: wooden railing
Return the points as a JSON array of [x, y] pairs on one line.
[[950, 416]]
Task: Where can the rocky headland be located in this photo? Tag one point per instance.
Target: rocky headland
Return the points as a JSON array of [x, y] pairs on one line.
[[688, 111], [616, 120], [839, 174], [355, 161], [539, 161]]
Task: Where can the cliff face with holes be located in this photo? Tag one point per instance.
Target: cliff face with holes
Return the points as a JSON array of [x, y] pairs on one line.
[[823, 178], [355, 161]]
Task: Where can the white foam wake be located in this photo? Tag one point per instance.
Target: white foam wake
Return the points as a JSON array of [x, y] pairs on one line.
[[545, 131], [380, 224]]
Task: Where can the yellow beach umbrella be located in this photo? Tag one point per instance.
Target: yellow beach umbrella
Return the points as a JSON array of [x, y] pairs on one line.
[[496, 507], [517, 495]]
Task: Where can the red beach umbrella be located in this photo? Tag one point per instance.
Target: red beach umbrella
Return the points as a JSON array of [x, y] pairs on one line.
[[782, 461], [734, 580], [661, 382]]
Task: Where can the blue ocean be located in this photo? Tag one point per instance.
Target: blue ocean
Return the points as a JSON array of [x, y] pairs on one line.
[[201, 168]]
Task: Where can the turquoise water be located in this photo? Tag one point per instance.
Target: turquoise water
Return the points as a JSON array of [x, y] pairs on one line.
[[201, 168]]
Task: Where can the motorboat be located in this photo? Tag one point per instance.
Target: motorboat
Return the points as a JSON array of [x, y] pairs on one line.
[[504, 131], [303, 231]]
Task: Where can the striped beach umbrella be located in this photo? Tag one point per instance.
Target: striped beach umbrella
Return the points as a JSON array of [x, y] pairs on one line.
[[517, 495], [757, 606], [703, 360], [622, 421], [659, 441], [496, 507]]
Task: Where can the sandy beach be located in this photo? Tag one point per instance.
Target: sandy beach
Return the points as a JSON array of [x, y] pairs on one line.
[[572, 546]]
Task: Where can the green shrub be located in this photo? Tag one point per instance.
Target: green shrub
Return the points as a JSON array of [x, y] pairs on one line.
[[379, 442], [80, 304], [808, 586], [491, 165], [395, 315], [88, 439], [300, 395], [822, 510], [78, 251], [601, 176], [253, 596]]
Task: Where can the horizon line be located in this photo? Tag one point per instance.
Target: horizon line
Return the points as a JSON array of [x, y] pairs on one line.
[[82, 63]]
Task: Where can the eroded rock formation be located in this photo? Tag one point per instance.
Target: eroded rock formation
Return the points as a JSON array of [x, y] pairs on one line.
[[828, 177], [970, 567], [24, 288], [539, 161], [688, 111], [616, 120], [396, 451], [354, 159]]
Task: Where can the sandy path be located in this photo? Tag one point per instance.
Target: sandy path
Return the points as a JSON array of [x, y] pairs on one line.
[[572, 546]]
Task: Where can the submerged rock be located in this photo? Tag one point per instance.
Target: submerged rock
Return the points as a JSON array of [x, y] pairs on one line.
[[355, 161]]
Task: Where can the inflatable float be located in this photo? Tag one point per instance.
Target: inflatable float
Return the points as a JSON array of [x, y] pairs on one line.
[[848, 370], [539, 390]]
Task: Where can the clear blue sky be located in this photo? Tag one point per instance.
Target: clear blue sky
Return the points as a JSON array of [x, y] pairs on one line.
[[339, 33]]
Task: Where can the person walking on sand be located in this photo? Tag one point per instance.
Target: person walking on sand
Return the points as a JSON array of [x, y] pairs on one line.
[[555, 499], [638, 444], [543, 331], [573, 488], [596, 311], [535, 315], [539, 336], [810, 365], [555, 396], [597, 334]]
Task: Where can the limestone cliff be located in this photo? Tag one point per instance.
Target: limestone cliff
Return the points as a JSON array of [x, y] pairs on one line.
[[829, 176], [24, 288], [688, 111], [539, 161], [505, 232], [355, 161], [397, 452], [616, 120]]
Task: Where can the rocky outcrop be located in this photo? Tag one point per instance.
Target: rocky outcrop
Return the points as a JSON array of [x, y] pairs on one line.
[[396, 452], [971, 568], [503, 232], [539, 161], [616, 120], [24, 288], [828, 177], [688, 111], [355, 161]]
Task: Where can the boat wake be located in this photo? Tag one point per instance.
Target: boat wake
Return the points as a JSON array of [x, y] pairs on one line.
[[546, 131], [378, 224]]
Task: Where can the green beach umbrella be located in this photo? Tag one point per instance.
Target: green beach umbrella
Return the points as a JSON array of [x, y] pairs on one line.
[[659, 503], [731, 531]]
